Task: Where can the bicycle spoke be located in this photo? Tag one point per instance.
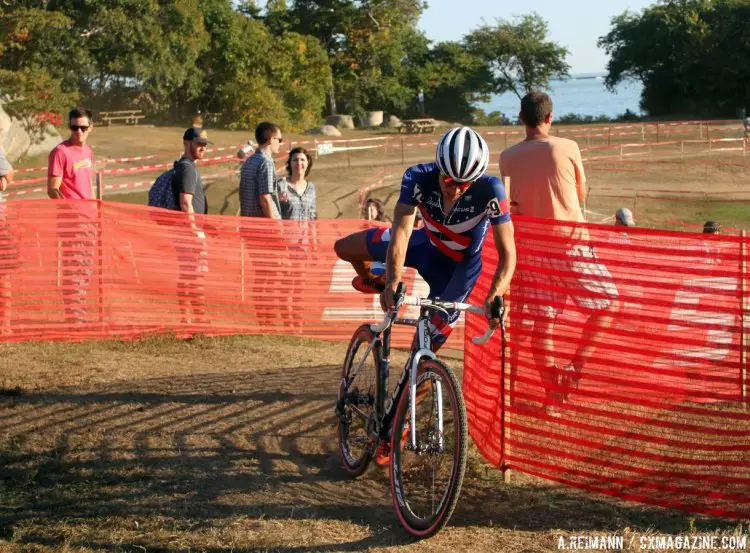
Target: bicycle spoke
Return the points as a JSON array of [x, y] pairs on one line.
[[355, 407], [427, 478]]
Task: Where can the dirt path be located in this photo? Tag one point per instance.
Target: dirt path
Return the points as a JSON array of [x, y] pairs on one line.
[[229, 444]]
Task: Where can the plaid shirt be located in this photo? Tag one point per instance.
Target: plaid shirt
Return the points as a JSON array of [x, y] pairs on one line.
[[300, 207], [257, 177]]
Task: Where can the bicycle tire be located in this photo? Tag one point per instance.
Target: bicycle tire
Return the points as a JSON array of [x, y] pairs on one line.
[[424, 512], [356, 448]]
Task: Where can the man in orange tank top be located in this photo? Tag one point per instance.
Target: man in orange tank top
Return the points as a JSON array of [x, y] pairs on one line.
[[547, 181]]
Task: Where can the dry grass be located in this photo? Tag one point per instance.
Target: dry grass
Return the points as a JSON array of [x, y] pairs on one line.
[[686, 169], [229, 445]]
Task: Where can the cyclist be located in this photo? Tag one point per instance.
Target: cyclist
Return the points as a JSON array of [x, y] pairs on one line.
[[458, 202]]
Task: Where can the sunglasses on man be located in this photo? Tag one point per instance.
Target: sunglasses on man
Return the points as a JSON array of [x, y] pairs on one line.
[[82, 128], [460, 185]]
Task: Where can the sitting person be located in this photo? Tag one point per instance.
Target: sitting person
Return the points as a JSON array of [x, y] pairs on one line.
[[624, 217], [374, 210], [711, 227]]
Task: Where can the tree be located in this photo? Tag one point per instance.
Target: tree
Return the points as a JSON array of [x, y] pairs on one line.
[[29, 92], [256, 76], [366, 42], [664, 47], [453, 79], [692, 56], [125, 48], [519, 56]]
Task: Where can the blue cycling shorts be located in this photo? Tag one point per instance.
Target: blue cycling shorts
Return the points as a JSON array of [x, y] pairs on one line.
[[448, 280]]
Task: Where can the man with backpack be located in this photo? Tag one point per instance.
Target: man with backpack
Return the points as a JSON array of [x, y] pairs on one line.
[[181, 189]]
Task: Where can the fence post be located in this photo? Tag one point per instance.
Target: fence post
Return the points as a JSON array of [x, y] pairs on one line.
[[700, 130], [315, 148], [508, 378], [402, 150], [682, 149], [657, 132], [100, 253], [242, 267], [609, 135], [743, 331], [348, 155], [635, 205], [622, 146], [99, 188]]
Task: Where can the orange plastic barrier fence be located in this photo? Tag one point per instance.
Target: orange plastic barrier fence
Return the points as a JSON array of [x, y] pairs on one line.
[[660, 414], [88, 270]]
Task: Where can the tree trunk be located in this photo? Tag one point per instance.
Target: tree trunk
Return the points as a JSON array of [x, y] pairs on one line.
[[331, 96]]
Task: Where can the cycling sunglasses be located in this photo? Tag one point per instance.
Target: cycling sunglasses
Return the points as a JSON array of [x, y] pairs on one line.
[[460, 185]]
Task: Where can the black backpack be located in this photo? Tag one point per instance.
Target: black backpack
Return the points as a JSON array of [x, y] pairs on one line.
[[162, 193]]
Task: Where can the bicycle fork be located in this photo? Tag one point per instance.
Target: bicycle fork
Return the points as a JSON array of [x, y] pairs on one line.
[[424, 349]]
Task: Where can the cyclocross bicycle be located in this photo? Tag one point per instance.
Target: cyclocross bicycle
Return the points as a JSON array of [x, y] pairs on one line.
[[424, 422]]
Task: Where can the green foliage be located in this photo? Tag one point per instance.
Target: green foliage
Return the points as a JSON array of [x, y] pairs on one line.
[[368, 43], [255, 76], [29, 91], [454, 78], [493, 118], [281, 63], [520, 58], [574, 118], [30, 95], [693, 56], [301, 74]]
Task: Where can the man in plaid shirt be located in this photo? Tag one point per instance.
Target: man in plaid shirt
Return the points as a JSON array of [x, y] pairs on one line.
[[259, 194]]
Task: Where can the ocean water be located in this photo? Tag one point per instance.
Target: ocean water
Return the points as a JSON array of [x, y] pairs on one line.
[[582, 94]]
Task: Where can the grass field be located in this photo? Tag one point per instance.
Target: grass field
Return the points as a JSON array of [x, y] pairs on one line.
[[693, 184], [213, 445]]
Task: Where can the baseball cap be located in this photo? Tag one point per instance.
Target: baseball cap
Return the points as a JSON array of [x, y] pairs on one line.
[[711, 227], [625, 217], [196, 135]]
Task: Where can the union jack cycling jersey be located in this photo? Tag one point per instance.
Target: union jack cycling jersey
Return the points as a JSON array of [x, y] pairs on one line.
[[459, 234]]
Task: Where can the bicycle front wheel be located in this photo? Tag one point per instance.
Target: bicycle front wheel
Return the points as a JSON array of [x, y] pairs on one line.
[[355, 405], [426, 477]]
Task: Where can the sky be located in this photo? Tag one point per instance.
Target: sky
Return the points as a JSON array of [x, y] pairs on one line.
[[575, 24]]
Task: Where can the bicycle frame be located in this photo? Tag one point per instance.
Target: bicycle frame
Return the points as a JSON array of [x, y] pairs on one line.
[[422, 349]]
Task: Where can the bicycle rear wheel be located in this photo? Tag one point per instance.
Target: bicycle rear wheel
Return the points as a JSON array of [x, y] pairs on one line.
[[355, 405], [426, 480]]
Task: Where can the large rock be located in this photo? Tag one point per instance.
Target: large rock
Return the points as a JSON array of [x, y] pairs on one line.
[[392, 122], [16, 142], [371, 119], [325, 130], [340, 121]]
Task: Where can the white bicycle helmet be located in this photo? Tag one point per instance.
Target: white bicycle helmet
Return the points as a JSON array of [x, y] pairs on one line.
[[462, 154]]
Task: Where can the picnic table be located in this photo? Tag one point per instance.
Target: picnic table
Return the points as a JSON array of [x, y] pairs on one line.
[[415, 126], [129, 116]]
